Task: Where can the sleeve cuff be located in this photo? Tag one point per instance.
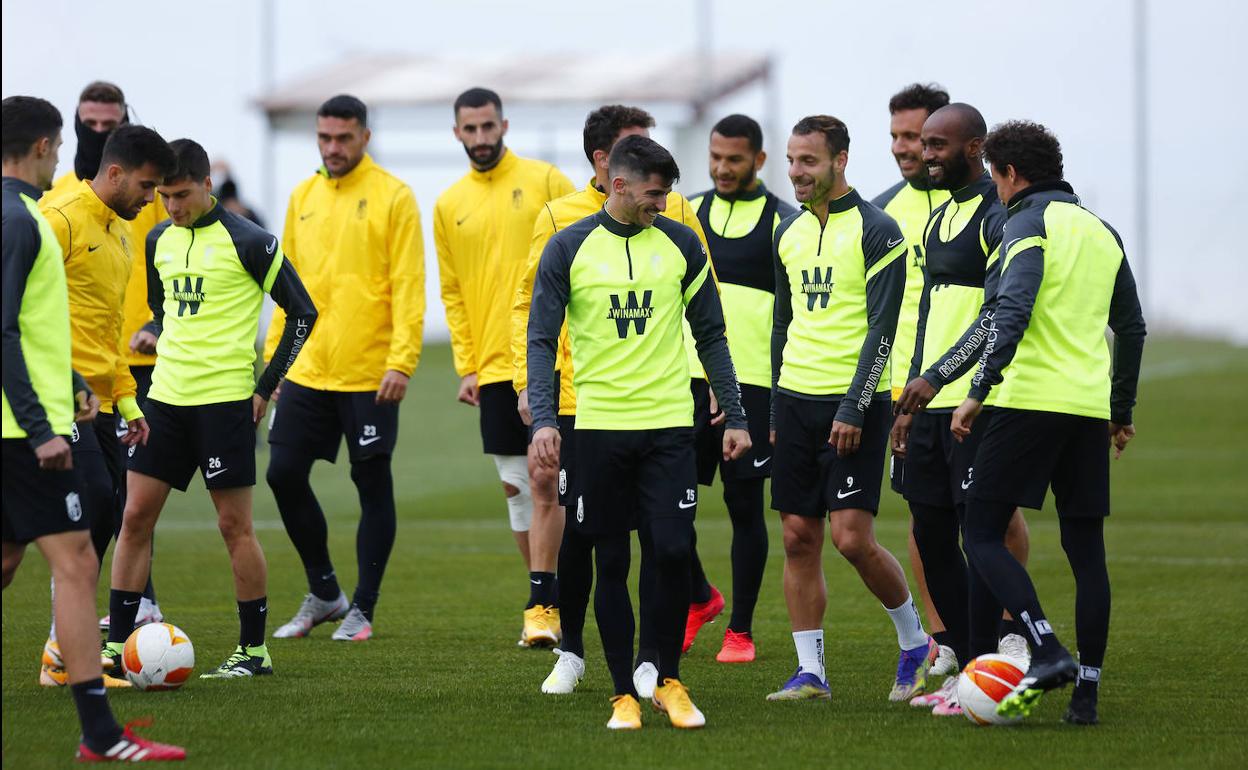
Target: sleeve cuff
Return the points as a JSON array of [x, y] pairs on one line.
[[933, 380], [848, 414], [978, 392], [1121, 418], [128, 408]]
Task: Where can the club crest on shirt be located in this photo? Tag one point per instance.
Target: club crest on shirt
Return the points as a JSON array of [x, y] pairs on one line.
[[361, 211], [517, 199]]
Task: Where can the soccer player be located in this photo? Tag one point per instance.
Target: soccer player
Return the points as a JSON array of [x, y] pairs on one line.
[[625, 277], [41, 504], [208, 271], [739, 215], [1061, 398], [353, 234], [90, 221], [483, 225], [101, 109], [955, 317], [603, 128], [840, 276]]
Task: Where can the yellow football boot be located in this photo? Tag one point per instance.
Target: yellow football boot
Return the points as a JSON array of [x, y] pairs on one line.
[[673, 698], [625, 713], [541, 627]]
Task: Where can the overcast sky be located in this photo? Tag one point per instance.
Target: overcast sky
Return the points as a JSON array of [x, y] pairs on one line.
[[195, 70]]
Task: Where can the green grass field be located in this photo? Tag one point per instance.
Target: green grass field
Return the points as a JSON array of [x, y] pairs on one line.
[[442, 684]]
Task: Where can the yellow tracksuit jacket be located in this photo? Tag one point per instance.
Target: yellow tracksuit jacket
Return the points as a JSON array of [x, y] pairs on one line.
[[483, 225], [98, 252], [555, 216], [356, 243]]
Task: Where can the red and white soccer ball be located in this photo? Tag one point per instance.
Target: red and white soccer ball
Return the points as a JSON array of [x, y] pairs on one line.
[[158, 656], [983, 684]]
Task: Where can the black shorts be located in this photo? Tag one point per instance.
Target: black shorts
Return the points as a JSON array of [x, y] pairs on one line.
[[218, 439], [937, 466], [709, 439], [627, 478], [502, 430], [96, 453], [315, 421], [809, 479], [567, 458], [36, 502], [1023, 452], [143, 379]]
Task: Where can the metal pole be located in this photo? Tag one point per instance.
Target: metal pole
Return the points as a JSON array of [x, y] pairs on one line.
[[268, 148], [1140, 248]]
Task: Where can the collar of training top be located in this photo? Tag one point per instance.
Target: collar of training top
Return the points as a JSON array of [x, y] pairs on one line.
[[982, 186], [209, 217], [747, 195], [844, 203], [94, 203], [1056, 185], [615, 227], [365, 164], [504, 164], [23, 187]]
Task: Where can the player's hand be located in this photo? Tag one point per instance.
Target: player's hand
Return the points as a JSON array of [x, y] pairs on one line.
[[143, 342], [901, 434], [522, 406], [771, 436], [258, 408], [845, 438], [393, 387], [736, 443], [136, 432], [55, 455], [88, 406], [917, 394], [717, 415], [546, 446], [277, 392], [1121, 435], [964, 417], [468, 392]]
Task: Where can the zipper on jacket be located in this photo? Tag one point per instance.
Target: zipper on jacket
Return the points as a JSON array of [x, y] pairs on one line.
[[188, 249], [727, 219], [819, 245], [628, 254]]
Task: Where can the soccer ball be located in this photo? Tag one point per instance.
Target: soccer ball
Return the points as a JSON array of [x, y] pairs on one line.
[[158, 656], [984, 682]]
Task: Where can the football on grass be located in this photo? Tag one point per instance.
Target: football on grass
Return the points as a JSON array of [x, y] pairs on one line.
[[984, 683], [158, 656]]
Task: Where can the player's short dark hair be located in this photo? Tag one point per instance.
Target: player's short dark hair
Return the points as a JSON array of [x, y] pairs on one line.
[[919, 96], [104, 92], [26, 120], [345, 107], [738, 125], [835, 132], [192, 162], [1029, 147], [643, 157], [132, 147], [603, 126], [478, 97]]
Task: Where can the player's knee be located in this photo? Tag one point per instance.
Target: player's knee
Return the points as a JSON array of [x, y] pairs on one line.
[[801, 542], [854, 540], [513, 472], [673, 549], [235, 529], [77, 566], [11, 563], [1017, 532]]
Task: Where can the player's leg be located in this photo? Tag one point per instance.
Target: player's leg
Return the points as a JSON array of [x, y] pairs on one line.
[[613, 608], [705, 601], [744, 500], [305, 426], [576, 578], [937, 536], [13, 553], [513, 474], [541, 613], [234, 521], [145, 497], [646, 666], [1013, 635]]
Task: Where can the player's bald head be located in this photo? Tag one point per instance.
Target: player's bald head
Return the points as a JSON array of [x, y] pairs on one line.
[[959, 121]]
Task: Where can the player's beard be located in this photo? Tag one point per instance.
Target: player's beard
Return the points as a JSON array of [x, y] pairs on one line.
[[496, 152], [954, 173], [743, 184]]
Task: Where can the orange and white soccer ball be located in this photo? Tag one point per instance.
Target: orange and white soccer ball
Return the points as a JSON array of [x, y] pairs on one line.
[[158, 656], [984, 683]]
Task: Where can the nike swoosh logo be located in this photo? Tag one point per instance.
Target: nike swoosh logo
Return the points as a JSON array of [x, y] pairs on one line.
[[93, 248], [1008, 245], [305, 216], [265, 608], [214, 474], [465, 219], [683, 505], [842, 495], [535, 582], [367, 441], [967, 484], [762, 462], [129, 603], [891, 244], [96, 692], [269, 249]]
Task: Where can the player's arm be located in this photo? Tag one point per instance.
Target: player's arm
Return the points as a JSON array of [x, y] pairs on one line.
[[552, 289], [706, 321], [407, 296], [543, 229], [884, 262], [125, 390], [463, 347], [277, 322], [20, 247], [266, 263], [1126, 320], [155, 289], [781, 317]]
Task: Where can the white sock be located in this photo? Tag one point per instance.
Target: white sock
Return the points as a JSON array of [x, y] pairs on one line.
[[910, 633], [809, 646], [52, 627]]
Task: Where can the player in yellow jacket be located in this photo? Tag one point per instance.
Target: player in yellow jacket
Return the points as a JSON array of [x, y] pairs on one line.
[[482, 225], [101, 109], [353, 234], [91, 222], [603, 128]]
